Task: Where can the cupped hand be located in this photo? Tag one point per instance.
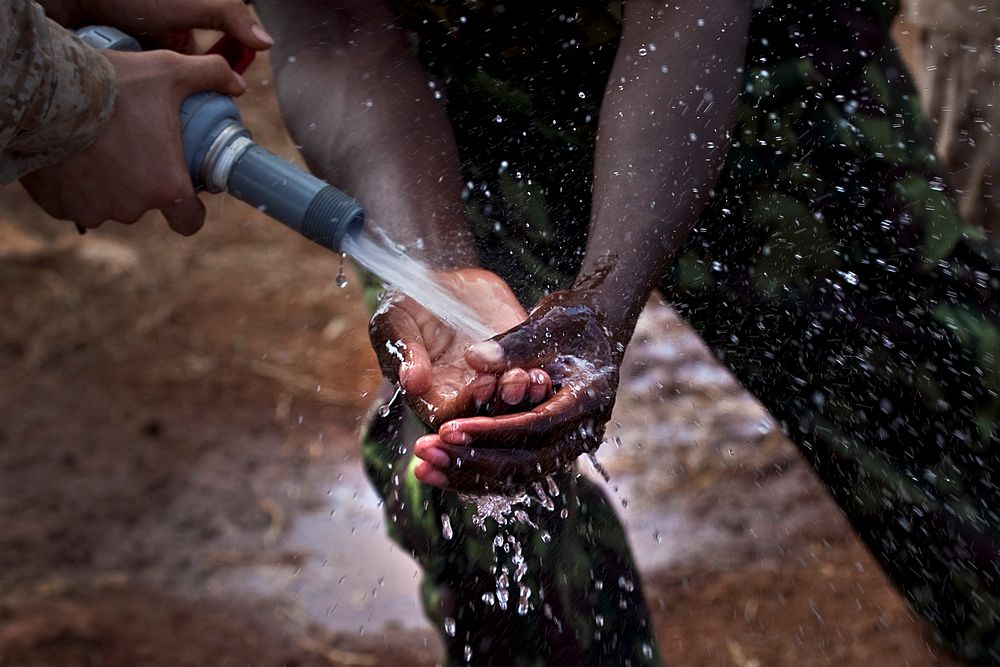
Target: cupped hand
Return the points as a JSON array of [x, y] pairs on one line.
[[137, 162], [166, 25], [565, 337], [426, 356]]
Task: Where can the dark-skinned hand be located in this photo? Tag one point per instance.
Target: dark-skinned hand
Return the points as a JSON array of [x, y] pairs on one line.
[[564, 337], [426, 356]]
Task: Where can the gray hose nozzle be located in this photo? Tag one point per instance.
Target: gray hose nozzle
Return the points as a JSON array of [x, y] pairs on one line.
[[221, 156]]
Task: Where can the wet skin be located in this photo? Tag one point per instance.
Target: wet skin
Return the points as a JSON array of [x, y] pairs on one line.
[[654, 166], [566, 339], [427, 357], [663, 135]]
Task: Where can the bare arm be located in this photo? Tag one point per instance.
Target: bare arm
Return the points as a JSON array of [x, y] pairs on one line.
[[664, 133], [664, 130], [356, 100]]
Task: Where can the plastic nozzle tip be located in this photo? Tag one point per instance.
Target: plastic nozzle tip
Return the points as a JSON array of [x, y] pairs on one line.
[[332, 216]]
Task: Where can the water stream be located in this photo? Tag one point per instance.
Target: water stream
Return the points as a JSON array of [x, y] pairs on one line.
[[395, 267]]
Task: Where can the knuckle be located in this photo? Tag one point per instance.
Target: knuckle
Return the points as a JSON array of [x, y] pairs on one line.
[[130, 215], [217, 64], [224, 11], [169, 60], [192, 226]]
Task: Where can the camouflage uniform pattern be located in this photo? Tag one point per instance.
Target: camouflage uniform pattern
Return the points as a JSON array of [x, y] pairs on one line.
[[831, 271], [56, 93]]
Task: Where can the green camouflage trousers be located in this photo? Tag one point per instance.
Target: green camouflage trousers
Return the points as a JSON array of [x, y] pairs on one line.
[[584, 607], [831, 272]]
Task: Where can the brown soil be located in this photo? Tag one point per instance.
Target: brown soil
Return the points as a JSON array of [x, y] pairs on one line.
[[173, 410]]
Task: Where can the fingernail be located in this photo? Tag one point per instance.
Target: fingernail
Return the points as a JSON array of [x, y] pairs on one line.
[[481, 396], [489, 351], [511, 395], [240, 80], [455, 437], [262, 35]]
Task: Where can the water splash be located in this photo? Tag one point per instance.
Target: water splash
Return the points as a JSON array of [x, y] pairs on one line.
[[501, 515]]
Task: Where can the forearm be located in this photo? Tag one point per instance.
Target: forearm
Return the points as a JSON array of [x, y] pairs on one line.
[[357, 102], [663, 135]]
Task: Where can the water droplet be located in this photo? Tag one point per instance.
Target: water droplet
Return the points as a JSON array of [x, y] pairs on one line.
[[642, 51], [383, 410], [553, 487], [449, 626], [546, 537], [647, 651], [446, 527], [341, 278], [468, 653], [523, 601]]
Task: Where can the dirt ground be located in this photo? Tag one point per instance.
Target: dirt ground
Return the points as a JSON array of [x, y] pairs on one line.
[[179, 478]]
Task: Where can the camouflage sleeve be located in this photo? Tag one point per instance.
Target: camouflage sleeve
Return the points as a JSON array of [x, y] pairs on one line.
[[56, 93]]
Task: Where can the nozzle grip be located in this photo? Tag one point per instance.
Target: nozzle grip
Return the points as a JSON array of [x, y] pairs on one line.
[[295, 198]]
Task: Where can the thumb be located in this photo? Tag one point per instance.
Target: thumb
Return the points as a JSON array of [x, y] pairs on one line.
[[524, 346], [200, 73], [397, 342]]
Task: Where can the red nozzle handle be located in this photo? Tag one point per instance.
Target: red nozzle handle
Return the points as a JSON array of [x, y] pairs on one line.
[[238, 56]]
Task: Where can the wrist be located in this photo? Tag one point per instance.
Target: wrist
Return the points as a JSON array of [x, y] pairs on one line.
[[616, 300]]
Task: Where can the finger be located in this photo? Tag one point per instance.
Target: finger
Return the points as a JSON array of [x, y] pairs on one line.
[[479, 470], [483, 387], [233, 17], [185, 214], [513, 386], [429, 448], [36, 183], [524, 346], [561, 412], [541, 386], [201, 73], [428, 474]]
